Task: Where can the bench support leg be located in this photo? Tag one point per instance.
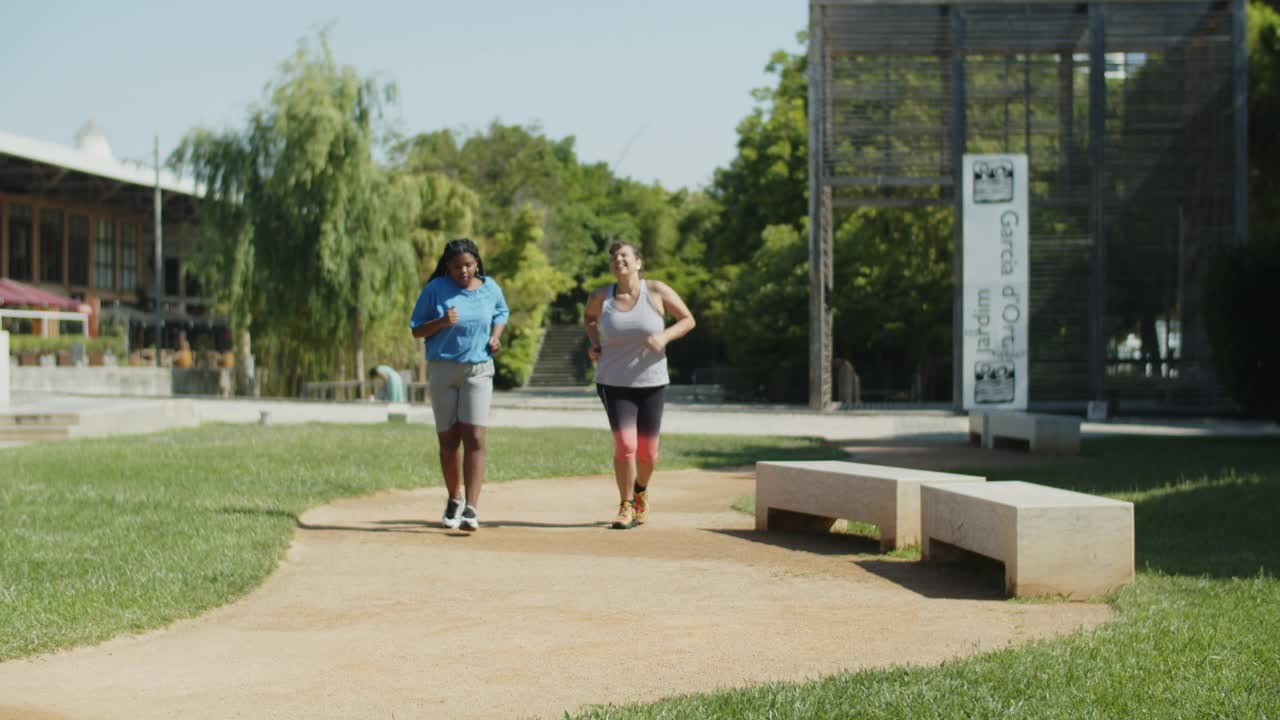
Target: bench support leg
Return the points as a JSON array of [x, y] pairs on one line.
[[937, 551], [788, 521]]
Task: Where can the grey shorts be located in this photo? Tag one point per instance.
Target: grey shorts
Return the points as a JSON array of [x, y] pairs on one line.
[[460, 392]]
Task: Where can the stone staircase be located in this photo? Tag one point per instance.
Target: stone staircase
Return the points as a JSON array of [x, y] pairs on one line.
[[562, 359], [25, 428]]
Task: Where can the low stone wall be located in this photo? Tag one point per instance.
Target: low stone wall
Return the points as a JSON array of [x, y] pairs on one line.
[[135, 381]]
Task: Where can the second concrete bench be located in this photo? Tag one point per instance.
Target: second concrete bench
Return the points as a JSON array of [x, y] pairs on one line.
[[815, 494], [1051, 541]]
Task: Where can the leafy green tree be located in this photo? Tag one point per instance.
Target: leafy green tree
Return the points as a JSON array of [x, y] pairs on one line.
[[583, 209], [1241, 287], [703, 287], [435, 152], [767, 332], [627, 211], [892, 295], [767, 182], [654, 215], [1264, 118], [581, 225], [307, 237], [510, 167], [892, 305], [893, 301], [447, 209], [685, 268], [581, 235], [530, 284]]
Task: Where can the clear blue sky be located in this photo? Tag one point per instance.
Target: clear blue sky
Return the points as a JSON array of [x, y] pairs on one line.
[[653, 87]]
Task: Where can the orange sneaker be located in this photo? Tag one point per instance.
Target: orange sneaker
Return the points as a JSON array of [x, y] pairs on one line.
[[626, 516], [642, 507]]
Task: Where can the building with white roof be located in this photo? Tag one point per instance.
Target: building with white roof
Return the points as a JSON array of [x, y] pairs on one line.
[[80, 222]]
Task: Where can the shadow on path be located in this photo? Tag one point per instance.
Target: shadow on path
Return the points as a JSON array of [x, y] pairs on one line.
[[976, 579], [418, 526], [981, 579]]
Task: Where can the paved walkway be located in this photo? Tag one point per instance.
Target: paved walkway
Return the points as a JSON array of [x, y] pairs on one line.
[[582, 409], [579, 407]]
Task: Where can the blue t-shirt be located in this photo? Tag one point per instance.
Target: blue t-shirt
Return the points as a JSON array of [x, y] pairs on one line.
[[478, 311]]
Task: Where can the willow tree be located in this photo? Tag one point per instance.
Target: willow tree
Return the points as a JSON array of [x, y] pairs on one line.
[[307, 238]]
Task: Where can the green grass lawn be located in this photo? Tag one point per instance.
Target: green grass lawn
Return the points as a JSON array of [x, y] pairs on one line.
[[1197, 636], [101, 537], [109, 536]]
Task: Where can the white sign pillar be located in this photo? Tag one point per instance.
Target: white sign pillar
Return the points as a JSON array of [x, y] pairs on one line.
[[4, 369], [996, 302]]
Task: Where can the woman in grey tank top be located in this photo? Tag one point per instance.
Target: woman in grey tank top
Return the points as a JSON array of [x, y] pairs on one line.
[[626, 324]]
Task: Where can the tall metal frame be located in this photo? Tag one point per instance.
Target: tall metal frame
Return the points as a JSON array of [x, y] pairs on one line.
[[1133, 115]]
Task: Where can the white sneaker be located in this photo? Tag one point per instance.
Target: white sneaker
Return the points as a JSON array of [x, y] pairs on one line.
[[452, 514], [469, 519]]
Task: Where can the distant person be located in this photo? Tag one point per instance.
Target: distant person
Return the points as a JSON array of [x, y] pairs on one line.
[[388, 384], [183, 357], [462, 314], [626, 324]]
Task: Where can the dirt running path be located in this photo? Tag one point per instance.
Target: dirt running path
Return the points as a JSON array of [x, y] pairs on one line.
[[378, 614]]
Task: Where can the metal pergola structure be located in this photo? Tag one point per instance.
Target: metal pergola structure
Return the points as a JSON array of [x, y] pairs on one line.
[[1133, 116]]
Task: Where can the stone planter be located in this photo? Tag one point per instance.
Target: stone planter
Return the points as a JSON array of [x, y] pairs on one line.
[[97, 358], [65, 359], [28, 359]]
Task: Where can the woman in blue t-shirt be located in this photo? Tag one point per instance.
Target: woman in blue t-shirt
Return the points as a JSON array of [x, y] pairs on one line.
[[462, 314]]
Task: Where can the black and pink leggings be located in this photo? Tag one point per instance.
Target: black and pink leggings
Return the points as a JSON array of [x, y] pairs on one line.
[[635, 417]]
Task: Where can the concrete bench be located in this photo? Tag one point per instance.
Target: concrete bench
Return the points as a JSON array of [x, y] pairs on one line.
[[1055, 434], [813, 495], [1051, 541]]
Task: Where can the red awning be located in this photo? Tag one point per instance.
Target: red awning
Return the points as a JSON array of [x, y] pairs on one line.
[[16, 294]]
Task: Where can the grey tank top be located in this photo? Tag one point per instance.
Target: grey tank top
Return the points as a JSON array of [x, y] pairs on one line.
[[625, 360]]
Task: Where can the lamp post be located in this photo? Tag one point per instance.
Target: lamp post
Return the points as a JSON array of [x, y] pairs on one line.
[[159, 254], [4, 369]]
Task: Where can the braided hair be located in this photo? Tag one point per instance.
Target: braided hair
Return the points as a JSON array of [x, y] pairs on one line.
[[454, 248]]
